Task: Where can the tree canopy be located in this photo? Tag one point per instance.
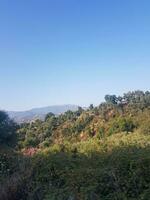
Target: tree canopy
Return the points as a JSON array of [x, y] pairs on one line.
[[7, 127]]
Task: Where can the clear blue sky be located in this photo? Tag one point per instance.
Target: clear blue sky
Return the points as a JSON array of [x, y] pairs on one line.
[[72, 51]]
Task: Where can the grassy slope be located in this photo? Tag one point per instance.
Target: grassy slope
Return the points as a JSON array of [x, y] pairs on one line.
[[114, 168]]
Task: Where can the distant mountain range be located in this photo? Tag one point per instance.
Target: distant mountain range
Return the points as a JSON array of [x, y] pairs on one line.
[[39, 113]]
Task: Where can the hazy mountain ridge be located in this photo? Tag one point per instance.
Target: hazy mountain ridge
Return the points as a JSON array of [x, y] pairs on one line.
[[39, 113]]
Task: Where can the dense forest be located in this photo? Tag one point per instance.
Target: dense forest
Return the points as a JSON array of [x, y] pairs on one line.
[[99, 153]]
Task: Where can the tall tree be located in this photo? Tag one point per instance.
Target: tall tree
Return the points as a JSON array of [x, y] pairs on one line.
[[7, 127], [111, 99]]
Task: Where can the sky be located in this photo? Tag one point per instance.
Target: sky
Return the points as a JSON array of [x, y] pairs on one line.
[[55, 52]]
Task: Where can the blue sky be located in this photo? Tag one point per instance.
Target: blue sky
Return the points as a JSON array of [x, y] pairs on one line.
[[72, 51]]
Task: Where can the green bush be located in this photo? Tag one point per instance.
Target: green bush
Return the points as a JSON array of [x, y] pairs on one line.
[[101, 133], [145, 127], [31, 142], [121, 125]]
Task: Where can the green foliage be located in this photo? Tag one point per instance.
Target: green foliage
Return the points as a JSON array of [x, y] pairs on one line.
[[122, 125], [49, 115], [101, 133], [119, 114], [84, 155], [7, 128], [145, 127], [111, 99], [30, 142], [105, 169], [91, 107], [15, 172], [81, 123]]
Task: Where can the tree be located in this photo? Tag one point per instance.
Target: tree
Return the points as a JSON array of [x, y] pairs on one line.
[[111, 99], [49, 115], [91, 107], [7, 127], [79, 111]]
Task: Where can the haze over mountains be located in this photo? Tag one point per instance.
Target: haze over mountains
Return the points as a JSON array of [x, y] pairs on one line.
[[40, 113]]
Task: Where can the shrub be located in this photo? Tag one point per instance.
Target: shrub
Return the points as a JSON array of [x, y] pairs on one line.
[[122, 125], [31, 142], [145, 127], [101, 133]]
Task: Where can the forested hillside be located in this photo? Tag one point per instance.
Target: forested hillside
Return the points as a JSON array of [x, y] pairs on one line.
[[39, 113], [101, 153]]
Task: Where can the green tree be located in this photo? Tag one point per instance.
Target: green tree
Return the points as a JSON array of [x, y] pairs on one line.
[[49, 115], [7, 127], [111, 99], [91, 107], [79, 111]]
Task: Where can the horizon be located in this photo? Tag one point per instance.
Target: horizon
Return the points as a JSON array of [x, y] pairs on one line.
[[42, 107], [57, 105], [72, 52]]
